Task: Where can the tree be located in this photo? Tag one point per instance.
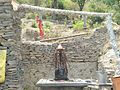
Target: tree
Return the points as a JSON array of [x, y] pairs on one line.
[[115, 7], [48, 3], [81, 3], [111, 2], [55, 4], [36, 2]]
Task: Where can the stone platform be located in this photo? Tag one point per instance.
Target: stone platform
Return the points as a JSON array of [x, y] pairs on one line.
[[102, 86], [45, 84]]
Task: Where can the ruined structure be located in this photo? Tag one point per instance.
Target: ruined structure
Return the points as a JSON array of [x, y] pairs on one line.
[[27, 61], [61, 71]]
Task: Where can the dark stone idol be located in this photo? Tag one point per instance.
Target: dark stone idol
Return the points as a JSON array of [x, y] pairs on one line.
[[61, 71]]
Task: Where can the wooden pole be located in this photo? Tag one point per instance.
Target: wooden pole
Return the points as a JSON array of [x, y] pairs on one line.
[[84, 20]]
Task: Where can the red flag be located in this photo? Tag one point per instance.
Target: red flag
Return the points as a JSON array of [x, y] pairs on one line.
[[40, 27]]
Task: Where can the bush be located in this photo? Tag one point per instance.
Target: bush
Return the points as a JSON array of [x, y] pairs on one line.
[[26, 1], [31, 15], [34, 25], [60, 4], [47, 26], [68, 4], [95, 6], [78, 25], [117, 18]]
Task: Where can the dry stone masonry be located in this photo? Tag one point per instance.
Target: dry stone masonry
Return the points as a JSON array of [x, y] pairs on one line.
[[10, 37], [82, 52], [29, 61]]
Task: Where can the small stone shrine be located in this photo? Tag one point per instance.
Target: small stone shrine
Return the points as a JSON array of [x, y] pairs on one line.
[[61, 71]]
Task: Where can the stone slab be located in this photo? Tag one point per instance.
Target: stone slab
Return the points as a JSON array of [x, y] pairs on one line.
[[102, 86], [61, 88], [53, 83]]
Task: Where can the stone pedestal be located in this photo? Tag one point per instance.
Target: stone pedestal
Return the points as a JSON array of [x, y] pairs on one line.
[[62, 88], [61, 85]]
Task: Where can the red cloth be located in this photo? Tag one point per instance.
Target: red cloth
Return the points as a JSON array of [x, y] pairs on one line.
[[40, 27]]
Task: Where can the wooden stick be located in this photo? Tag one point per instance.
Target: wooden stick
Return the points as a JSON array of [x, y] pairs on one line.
[[51, 39]]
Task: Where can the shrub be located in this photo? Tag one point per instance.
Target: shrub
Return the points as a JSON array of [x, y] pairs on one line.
[[47, 26], [31, 15], [96, 6], [26, 1], [78, 25], [68, 4], [34, 25], [117, 18]]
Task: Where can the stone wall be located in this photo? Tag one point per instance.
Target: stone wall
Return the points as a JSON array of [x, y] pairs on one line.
[[82, 52], [10, 37], [27, 62]]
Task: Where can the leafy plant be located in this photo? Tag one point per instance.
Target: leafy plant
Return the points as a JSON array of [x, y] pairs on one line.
[[47, 27], [78, 25], [117, 18], [34, 25], [31, 15]]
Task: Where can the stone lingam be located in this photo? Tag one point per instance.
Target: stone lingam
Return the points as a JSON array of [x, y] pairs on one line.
[[61, 81], [61, 71]]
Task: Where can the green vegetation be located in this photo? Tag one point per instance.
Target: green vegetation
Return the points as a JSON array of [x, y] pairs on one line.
[[78, 25], [47, 26], [73, 22], [34, 25], [112, 6], [80, 3]]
